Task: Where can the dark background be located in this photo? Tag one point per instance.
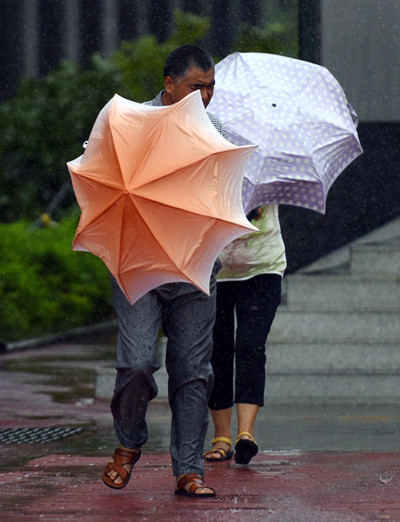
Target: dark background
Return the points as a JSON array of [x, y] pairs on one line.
[[364, 197]]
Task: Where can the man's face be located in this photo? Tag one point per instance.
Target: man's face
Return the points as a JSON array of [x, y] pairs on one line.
[[194, 80]]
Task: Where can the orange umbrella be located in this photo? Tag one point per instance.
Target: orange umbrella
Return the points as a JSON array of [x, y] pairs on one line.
[[160, 193]]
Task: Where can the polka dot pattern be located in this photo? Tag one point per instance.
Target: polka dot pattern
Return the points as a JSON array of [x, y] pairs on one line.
[[298, 115]]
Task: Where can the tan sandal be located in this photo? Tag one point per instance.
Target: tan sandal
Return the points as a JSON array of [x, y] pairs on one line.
[[121, 457], [196, 482], [245, 449], [225, 455]]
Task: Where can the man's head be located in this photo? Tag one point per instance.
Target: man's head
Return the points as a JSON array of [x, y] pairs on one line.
[[188, 68]]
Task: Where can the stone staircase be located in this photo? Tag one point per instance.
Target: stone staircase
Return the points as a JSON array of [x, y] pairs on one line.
[[336, 335]]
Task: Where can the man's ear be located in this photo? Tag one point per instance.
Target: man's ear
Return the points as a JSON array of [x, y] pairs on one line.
[[168, 84]]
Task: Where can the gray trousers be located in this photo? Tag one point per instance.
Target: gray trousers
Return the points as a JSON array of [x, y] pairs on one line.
[[187, 317]]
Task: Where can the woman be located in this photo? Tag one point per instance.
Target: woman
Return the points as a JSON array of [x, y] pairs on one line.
[[249, 284]]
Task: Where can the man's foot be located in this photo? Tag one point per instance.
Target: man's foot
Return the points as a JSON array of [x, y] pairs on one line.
[[118, 471], [221, 450], [192, 485]]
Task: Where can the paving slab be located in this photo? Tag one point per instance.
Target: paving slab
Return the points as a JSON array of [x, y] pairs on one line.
[[277, 486], [318, 461]]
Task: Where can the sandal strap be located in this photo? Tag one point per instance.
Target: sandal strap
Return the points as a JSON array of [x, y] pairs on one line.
[[222, 439], [122, 456], [195, 480], [119, 470], [221, 451], [242, 433]]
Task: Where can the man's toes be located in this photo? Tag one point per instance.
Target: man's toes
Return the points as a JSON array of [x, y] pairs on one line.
[[203, 491], [115, 477]]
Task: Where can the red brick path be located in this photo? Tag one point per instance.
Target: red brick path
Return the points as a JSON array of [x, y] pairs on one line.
[[314, 486]]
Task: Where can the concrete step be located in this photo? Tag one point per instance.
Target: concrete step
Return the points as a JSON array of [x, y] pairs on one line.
[[357, 372], [342, 292], [376, 258], [357, 388], [309, 372], [381, 241], [290, 326], [333, 358]]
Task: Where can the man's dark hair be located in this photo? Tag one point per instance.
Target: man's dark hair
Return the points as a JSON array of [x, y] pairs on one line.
[[185, 57]]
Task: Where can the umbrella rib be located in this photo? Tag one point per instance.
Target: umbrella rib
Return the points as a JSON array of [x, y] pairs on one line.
[[91, 178], [185, 166], [103, 210], [227, 121], [155, 239], [149, 150], [174, 207], [188, 164]]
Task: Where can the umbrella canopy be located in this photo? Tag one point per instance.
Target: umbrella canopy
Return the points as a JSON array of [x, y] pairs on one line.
[[298, 114], [160, 193]]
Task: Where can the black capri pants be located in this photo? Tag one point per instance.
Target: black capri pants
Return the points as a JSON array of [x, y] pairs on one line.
[[256, 301]]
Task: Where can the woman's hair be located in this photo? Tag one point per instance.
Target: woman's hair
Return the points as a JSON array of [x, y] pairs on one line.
[[254, 214], [185, 57]]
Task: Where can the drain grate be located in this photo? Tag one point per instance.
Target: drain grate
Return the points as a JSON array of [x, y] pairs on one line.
[[31, 435]]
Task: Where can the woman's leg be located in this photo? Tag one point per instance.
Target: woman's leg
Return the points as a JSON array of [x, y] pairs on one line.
[[223, 347], [246, 447], [222, 430], [222, 422], [221, 399], [247, 414], [257, 302]]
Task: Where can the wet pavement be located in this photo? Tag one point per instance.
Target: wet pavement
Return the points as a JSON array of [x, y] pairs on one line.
[[325, 462]]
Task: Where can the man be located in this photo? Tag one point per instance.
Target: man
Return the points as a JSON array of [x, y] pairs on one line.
[[187, 317]]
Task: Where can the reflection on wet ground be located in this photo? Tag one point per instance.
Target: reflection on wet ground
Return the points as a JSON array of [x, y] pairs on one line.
[[61, 479], [55, 385]]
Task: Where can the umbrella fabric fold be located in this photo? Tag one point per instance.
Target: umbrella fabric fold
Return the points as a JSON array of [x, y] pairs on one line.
[[160, 193], [298, 115]]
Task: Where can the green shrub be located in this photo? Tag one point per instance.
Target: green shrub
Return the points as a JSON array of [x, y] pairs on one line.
[[42, 128], [44, 285]]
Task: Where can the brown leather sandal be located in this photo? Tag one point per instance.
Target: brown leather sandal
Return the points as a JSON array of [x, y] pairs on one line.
[[121, 457], [196, 482]]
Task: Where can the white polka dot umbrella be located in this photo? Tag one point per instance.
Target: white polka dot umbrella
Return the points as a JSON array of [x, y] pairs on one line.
[[298, 115]]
